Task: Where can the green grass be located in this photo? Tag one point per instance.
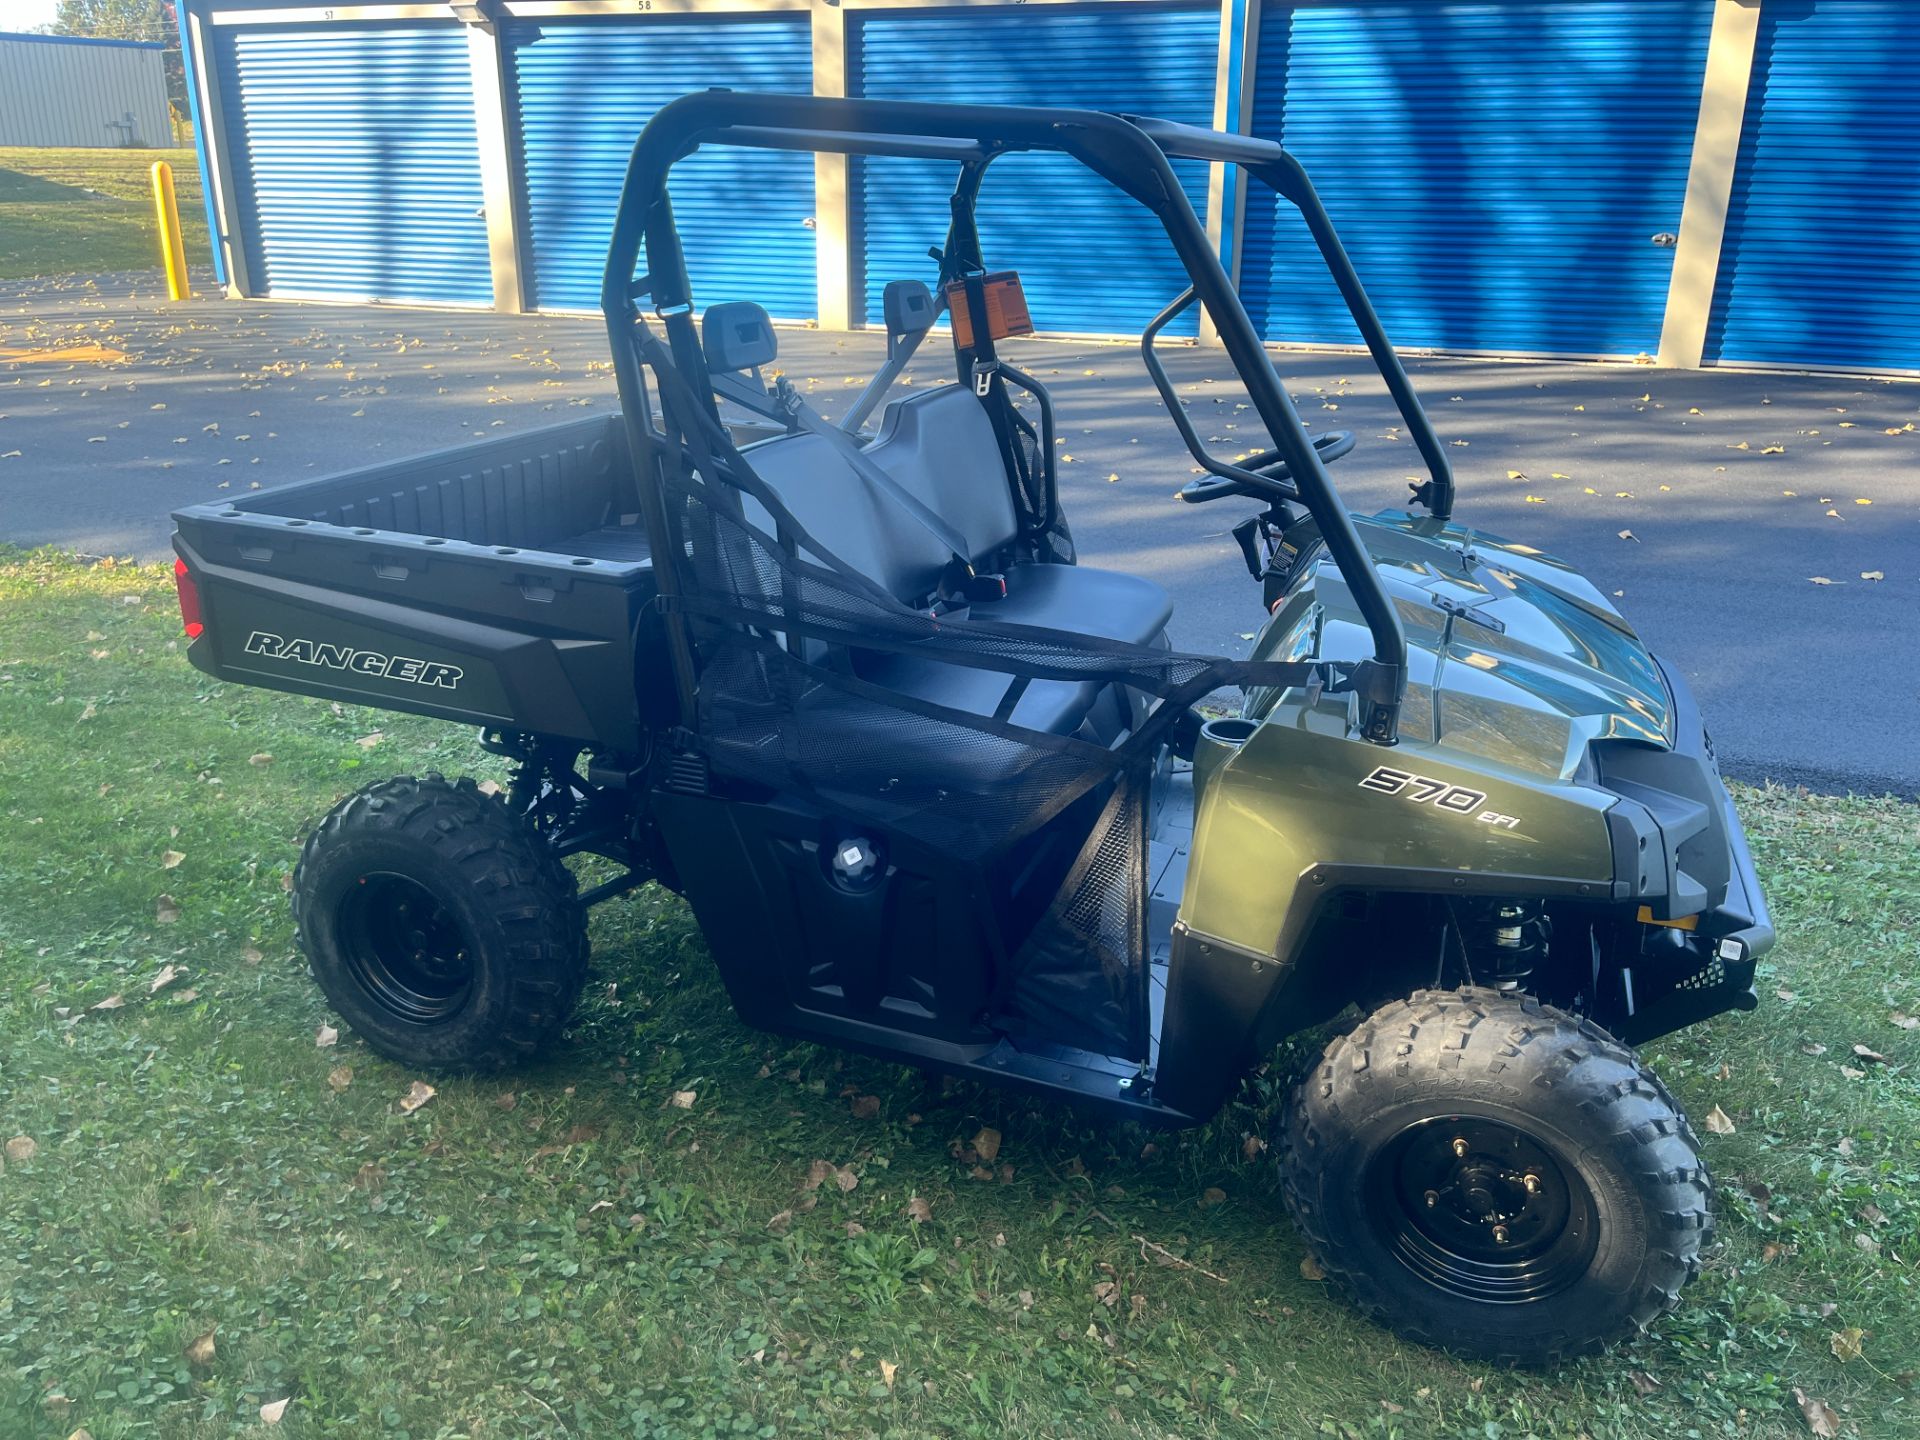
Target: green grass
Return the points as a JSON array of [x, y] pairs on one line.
[[477, 1268], [84, 211]]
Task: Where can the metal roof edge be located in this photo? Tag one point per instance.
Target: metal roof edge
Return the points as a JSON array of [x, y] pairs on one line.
[[82, 40]]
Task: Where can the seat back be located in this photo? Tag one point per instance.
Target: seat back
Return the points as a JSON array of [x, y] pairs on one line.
[[865, 528], [940, 447]]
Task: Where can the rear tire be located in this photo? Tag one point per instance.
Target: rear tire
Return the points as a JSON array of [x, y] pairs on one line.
[[1486, 1174], [440, 925]]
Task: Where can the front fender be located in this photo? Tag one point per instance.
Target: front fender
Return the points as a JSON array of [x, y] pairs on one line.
[[1304, 811]]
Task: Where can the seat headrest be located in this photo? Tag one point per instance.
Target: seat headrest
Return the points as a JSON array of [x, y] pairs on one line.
[[738, 336], [907, 307]]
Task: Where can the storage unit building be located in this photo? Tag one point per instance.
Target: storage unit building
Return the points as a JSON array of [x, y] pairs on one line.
[[1821, 262], [583, 87], [355, 161], [1091, 260], [1497, 172], [69, 90], [1714, 181]]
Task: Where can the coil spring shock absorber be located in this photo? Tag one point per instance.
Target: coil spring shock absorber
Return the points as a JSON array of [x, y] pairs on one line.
[[1506, 939]]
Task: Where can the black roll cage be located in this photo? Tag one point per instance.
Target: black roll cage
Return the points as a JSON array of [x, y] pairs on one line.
[[1130, 152]]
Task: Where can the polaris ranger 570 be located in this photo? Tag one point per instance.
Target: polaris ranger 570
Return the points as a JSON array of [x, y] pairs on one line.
[[938, 793]]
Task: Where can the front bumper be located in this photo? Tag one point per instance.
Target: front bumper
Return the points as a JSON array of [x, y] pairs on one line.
[[1681, 856]]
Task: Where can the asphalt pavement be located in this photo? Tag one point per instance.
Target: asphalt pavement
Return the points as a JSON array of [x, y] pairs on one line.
[[1761, 530]]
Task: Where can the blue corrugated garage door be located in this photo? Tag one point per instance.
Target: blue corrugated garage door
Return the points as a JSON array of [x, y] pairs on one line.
[[1092, 261], [1497, 171], [1821, 262], [584, 90], [356, 164]]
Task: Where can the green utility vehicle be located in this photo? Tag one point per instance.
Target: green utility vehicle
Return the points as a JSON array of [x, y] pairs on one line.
[[938, 793]]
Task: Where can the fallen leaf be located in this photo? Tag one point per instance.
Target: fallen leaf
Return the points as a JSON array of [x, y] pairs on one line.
[[166, 910], [818, 1173], [1818, 1414], [21, 1148], [340, 1077], [170, 859], [845, 1178], [1629, 535], [1867, 1243], [112, 1002], [865, 1107], [251, 955], [919, 1210], [1773, 450], [325, 1036], [201, 1351], [855, 1229], [1853, 1074], [1718, 1122], [367, 742], [683, 1099], [1535, 500], [168, 974], [986, 1144], [506, 1100], [1310, 1269], [265, 757], [1251, 1148], [1107, 1293], [1873, 574], [1845, 1344], [780, 1221], [1516, 474], [1812, 1047], [1644, 1383], [887, 1371], [1904, 1022], [1869, 1054], [1818, 580], [418, 1094], [270, 1414], [1213, 1195]]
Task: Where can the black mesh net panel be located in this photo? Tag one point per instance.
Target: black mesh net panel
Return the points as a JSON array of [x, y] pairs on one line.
[[776, 623]]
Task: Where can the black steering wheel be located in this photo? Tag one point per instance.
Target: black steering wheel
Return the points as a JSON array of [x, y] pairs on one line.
[[1329, 447]]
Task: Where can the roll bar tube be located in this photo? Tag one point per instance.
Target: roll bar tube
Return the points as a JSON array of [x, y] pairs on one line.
[[1114, 148]]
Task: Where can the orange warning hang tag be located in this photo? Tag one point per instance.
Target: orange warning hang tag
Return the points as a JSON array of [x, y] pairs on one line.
[[1006, 308]]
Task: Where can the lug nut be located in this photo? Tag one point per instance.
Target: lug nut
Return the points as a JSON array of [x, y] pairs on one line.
[[1433, 1198], [1459, 1147], [1499, 1234], [1531, 1183]]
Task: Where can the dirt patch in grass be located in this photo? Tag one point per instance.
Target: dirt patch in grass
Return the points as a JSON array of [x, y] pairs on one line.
[[66, 212], [572, 1252]]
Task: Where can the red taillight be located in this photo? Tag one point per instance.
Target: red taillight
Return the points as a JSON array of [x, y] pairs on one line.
[[183, 582]]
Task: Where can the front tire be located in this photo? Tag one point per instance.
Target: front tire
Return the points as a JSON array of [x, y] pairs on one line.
[[1486, 1174], [440, 925]]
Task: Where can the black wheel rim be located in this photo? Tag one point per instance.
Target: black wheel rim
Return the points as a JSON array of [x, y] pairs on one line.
[[411, 957], [1482, 1209]]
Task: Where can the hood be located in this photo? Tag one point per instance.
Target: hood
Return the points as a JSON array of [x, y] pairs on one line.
[[1512, 656]]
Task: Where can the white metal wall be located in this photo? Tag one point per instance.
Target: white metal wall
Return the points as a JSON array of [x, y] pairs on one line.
[[55, 90]]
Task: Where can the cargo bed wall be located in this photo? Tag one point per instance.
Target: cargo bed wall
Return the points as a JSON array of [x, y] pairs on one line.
[[492, 584]]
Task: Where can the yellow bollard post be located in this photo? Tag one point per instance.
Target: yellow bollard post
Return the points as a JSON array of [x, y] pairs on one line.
[[173, 253]]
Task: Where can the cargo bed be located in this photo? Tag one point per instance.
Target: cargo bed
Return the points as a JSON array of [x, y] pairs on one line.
[[500, 584]]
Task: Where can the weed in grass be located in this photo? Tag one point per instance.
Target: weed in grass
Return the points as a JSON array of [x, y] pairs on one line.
[[565, 1253]]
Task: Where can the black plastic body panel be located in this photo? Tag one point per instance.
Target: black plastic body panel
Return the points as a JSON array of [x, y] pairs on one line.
[[502, 568]]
